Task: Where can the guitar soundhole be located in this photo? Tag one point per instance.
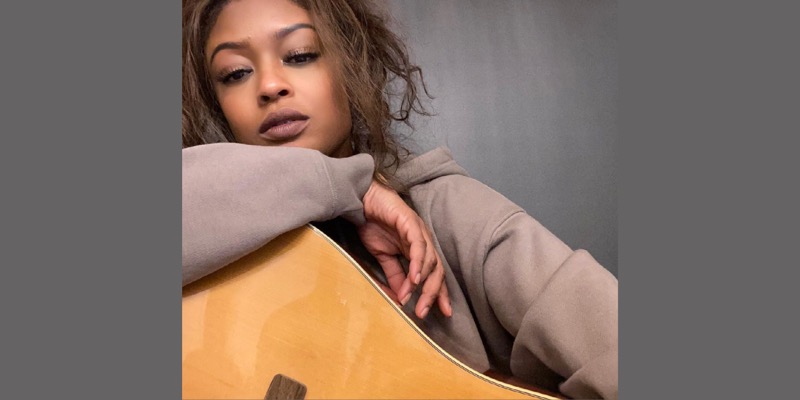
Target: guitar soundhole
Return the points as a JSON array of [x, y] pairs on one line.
[[284, 388]]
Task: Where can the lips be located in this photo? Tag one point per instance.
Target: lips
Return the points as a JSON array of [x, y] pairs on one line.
[[283, 124]]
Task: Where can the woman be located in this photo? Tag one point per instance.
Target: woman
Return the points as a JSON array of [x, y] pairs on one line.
[[299, 89]]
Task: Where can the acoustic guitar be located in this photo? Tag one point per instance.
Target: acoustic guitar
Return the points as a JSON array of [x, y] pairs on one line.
[[300, 318]]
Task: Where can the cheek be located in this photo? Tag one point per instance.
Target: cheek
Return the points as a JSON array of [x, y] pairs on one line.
[[341, 101], [344, 112], [340, 111], [333, 94], [341, 106], [234, 111], [330, 102]]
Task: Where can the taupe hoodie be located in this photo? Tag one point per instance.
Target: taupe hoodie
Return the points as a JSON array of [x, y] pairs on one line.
[[523, 302]]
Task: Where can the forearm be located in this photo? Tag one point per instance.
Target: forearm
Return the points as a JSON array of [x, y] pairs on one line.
[[236, 198], [559, 304]]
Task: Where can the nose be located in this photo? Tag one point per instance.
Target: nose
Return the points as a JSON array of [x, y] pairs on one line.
[[273, 85]]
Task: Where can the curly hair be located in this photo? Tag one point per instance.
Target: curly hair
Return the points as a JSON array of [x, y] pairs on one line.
[[369, 60]]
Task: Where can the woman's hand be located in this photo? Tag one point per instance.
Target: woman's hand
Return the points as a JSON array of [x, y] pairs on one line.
[[394, 229]]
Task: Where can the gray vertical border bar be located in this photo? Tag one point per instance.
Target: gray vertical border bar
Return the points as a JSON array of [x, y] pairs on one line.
[[90, 167], [708, 199]]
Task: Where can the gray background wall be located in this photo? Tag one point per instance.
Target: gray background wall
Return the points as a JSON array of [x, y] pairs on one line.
[[526, 96]]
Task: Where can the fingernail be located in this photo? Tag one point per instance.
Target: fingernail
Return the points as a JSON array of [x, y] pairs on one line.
[[417, 278], [405, 299], [425, 312]]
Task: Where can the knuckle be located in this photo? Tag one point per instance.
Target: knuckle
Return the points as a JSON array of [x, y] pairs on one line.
[[433, 262], [432, 289]]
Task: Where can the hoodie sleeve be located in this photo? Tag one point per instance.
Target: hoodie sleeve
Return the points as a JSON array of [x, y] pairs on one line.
[[560, 305], [236, 198], [547, 313]]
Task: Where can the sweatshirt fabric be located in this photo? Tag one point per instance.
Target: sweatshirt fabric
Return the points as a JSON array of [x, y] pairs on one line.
[[236, 198], [524, 303]]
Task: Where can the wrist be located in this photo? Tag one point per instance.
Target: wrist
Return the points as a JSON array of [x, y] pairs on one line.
[[369, 198]]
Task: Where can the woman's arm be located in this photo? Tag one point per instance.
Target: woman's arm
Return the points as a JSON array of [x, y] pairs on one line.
[[560, 305], [556, 306], [237, 197]]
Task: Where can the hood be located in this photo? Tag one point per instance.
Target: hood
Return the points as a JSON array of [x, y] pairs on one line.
[[426, 167]]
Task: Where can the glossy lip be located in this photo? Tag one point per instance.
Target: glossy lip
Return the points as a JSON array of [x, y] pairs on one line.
[[283, 124]]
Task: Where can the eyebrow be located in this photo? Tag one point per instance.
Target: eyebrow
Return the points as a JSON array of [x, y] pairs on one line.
[[283, 32], [280, 34]]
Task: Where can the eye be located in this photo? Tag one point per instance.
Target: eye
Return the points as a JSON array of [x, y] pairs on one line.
[[233, 76], [300, 57]]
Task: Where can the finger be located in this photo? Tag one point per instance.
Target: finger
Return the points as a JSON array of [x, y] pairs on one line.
[[430, 291], [388, 291], [393, 270], [416, 253], [431, 257], [444, 301], [396, 277]]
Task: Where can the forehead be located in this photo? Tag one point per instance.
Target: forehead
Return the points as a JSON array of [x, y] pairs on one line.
[[245, 19]]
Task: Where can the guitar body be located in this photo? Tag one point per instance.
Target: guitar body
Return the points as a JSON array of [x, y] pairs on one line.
[[300, 307]]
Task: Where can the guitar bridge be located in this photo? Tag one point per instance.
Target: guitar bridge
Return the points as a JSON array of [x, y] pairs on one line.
[[282, 388]]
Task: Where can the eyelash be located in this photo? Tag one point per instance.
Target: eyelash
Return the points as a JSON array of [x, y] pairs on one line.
[[234, 75], [300, 57], [295, 58]]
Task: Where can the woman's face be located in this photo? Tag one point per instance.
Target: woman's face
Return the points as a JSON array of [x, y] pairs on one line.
[[273, 84]]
